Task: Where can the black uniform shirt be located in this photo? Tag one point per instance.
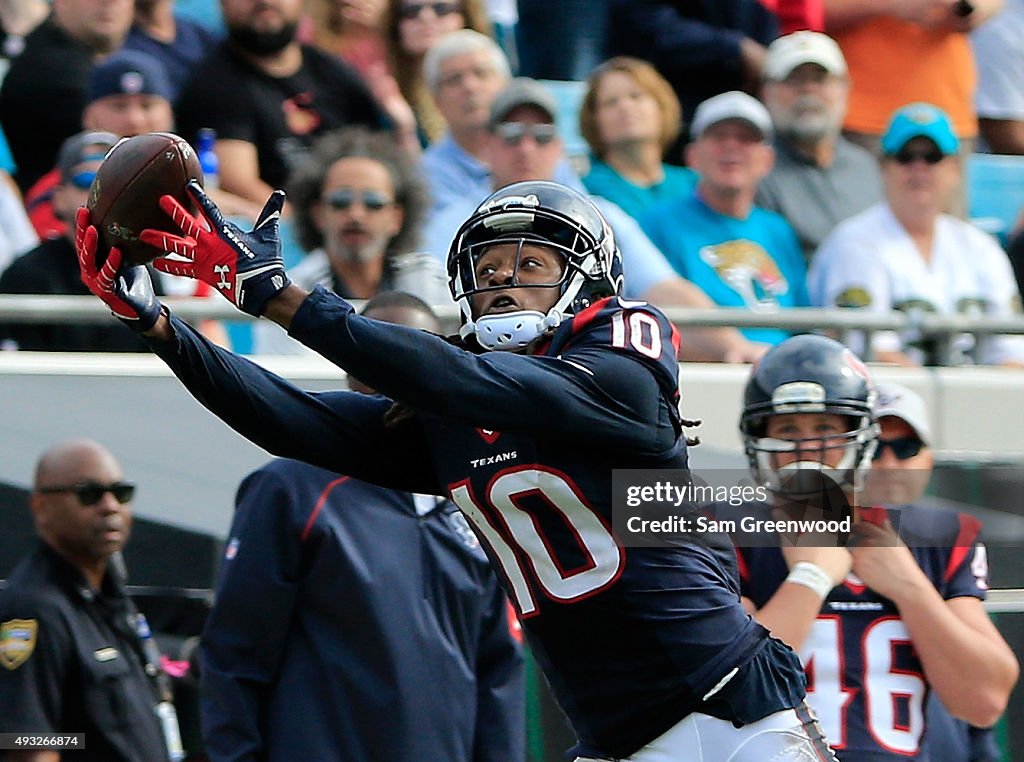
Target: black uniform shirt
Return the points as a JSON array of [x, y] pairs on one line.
[[71, 663]]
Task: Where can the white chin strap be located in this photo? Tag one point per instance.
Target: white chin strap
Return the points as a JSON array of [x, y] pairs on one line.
[[510, 331]]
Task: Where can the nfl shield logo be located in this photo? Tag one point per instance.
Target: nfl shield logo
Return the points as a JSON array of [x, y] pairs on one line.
[[17, 641]]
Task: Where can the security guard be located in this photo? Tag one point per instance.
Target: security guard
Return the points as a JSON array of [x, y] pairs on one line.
[[74, 654]]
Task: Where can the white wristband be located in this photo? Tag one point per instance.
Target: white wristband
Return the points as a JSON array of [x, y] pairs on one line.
[[811, 575]]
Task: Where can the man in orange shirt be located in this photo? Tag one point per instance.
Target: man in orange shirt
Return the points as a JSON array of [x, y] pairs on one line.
[[898, 53]]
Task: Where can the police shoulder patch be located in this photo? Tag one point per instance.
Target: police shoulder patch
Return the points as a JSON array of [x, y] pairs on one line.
[[17, 641]]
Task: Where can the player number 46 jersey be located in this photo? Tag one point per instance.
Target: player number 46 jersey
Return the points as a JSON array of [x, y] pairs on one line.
[[865, 681]]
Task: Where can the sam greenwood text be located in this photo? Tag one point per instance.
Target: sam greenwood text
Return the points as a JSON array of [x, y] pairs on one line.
[[699, 523]]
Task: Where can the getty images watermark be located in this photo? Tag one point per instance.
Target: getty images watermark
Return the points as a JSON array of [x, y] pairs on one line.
[[666, 507]]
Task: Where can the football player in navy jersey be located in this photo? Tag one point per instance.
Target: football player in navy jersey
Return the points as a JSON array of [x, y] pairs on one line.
[[553, 382], [896, 612]]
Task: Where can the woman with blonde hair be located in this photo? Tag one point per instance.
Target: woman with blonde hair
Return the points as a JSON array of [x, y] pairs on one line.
[[411, 27], [630, 117]]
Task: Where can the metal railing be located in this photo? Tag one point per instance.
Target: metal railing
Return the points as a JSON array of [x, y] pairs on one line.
[[941, 331]]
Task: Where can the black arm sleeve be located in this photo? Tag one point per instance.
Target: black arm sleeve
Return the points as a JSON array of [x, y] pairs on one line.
[[592, 391], [339, 431]]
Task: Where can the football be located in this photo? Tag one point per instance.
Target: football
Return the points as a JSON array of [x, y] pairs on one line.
[[124, 198]]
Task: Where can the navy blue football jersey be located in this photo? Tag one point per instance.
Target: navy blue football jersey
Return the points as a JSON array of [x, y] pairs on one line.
[[630, 639], [864, 679]]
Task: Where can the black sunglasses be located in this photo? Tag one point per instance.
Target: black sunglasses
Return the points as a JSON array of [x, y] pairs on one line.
[[91, 493], [344, 198], [903, 448], [512, 133], [413, 10], [928, 157]]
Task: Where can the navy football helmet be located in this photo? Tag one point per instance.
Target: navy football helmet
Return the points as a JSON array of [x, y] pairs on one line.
[[810, 374], [541, 213]]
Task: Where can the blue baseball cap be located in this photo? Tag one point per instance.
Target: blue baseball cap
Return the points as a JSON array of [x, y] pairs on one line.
[[128, 72], [919, 120]]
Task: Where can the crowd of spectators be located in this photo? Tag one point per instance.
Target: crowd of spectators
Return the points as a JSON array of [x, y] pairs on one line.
[[728, 142]]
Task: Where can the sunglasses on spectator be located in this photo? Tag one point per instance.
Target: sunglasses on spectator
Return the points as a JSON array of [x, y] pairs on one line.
[[904, 156], [414, 10], [512, 133], [82, 180], [91, 493], [903, 448], [344, 198]]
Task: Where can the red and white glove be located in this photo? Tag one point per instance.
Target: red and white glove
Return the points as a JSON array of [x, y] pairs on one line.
[[246, 268], [128, 291]]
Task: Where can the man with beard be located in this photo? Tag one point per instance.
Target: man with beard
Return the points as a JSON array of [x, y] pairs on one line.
[[359, 202], [267, 97], [819, 178]]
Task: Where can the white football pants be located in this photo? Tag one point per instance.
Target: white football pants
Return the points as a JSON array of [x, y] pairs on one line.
[[792, 735]]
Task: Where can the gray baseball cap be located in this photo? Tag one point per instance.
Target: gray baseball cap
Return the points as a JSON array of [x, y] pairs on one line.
[[82, 147], [523, 91]]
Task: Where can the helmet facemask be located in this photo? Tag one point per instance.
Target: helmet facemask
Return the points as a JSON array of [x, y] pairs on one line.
[[803, 476]]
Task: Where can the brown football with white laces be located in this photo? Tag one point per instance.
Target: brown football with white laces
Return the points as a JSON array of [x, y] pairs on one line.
[[124, 198]]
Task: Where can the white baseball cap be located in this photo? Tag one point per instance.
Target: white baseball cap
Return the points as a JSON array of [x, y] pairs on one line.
[[907, 405], [731, 105], [792, 50]]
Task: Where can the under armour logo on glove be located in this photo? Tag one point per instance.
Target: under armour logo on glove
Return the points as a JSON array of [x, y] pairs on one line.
[[246, 268], [222, 271]]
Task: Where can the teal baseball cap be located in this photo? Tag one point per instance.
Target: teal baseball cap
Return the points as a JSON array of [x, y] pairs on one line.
[[919, 120]]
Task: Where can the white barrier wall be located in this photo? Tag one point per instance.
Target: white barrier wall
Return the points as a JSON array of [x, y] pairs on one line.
[[188, 464]]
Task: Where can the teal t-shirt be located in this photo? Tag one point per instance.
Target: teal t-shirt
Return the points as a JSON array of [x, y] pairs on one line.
[[754, 262], [635, 199]]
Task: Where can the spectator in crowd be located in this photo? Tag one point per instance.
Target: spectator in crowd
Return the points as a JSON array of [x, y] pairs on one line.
[[630, 118], [353, 30], [339, 600], [464, 72], [43, 94], [905, 254], [524, 145], [359, 204], [411, 28], [52, 268], [179, 43], [899, 475], [819, 178], [268, 97], [739, 254], [919, 50], [17, 19], [16, 232], [703, 48], [902, 598], [998, 47], [128, 94], [71, 641]]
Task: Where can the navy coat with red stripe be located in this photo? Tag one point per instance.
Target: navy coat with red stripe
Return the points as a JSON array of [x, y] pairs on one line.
[[865, 680], [630, 639], [349, 625]]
